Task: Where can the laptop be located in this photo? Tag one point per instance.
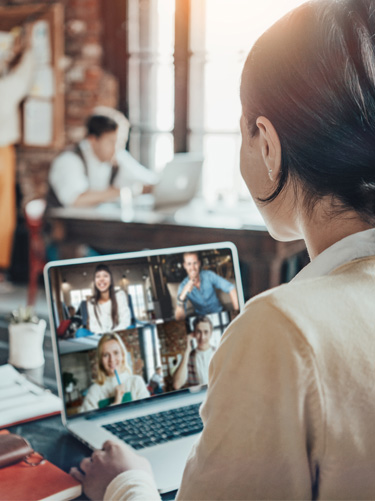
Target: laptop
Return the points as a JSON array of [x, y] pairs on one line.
[[178, 184], [159, 421]]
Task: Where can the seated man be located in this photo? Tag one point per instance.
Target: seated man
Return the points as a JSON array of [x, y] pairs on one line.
[[199, 287], [193, 368], [95, 170]]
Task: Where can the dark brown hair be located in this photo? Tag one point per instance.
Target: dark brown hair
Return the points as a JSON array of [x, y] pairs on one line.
[[201, 319], [312, 74], [97, 125]]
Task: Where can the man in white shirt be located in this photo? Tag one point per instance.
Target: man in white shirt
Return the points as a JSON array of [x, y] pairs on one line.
[[96, 169], [193, 368]]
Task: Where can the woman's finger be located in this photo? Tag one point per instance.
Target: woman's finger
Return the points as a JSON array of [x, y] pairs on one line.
[[78, 475]]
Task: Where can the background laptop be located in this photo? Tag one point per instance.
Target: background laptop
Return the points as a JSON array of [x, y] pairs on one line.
[[162, 426], [179, 183]]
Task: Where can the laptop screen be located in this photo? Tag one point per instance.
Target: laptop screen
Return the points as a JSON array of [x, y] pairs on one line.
[[139, 325]]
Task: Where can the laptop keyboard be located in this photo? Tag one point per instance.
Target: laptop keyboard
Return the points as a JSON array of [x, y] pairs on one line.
[[158, 428]]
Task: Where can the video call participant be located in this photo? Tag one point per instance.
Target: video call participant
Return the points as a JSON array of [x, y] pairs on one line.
[[108, 309], [156, 383], [200, 288], [110, 388], [289, 412], [95, 170], [193, 368]]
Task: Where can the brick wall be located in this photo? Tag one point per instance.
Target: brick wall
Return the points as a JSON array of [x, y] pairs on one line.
[[86, 85], [86, 82]]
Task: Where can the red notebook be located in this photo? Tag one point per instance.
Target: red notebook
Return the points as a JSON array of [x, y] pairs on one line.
[[22, 482]]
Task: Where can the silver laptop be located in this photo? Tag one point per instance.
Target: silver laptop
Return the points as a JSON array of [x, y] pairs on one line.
[[178, 184], [158, 420]]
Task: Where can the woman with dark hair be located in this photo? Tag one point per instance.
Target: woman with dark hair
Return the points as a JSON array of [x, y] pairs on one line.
[[108, 309], [290, 406]]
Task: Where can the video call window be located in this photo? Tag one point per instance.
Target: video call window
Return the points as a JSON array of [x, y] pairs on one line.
[[134, 329]]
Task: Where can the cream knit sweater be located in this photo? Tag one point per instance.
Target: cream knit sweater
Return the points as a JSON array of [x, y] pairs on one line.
[[290, 408]]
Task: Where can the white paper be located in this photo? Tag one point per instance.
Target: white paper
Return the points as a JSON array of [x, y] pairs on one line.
[[38, 122], [21, 399], [44, 82]]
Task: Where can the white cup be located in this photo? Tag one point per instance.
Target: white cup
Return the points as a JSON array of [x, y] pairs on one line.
[[26, 344]]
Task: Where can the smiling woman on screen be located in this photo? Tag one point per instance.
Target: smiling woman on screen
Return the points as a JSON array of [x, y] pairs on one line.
[[114, 383], [108, 309], [290, 407]]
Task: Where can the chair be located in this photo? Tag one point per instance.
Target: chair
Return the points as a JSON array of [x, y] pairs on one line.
[[82, 311], [34, 212], [134, 321]]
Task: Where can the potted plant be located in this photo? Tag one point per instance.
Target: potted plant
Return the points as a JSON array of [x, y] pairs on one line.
[[26, 335]]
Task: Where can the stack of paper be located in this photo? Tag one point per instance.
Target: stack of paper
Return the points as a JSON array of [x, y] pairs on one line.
[[22, 400]]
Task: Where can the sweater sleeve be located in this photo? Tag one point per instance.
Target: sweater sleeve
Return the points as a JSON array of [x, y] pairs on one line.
[[91, 400], [131, 171], [139, 388], [17, 82], [262, 415], [219, 282], [133, 485]]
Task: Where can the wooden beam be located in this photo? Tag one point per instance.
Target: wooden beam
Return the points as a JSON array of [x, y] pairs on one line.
[[181, 61]]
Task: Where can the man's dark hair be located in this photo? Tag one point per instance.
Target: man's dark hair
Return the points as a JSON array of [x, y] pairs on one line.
[[97, 125], [312, 74], [201, 319]]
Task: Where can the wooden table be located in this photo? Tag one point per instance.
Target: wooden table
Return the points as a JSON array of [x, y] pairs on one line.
[[264, 262]]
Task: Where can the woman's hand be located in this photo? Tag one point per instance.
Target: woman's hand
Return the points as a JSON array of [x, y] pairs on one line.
[[119, 393], [104, 465]]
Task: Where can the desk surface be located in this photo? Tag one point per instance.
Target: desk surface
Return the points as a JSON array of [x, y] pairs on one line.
[[49, 437], [242, 215], [262, 259]]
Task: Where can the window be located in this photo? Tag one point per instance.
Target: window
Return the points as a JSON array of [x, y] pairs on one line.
[[79, 295], [136, 292], [151, 80], [220, 35], [151, 350]]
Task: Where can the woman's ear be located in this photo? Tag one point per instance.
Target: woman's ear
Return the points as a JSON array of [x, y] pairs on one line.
[[270, 147]]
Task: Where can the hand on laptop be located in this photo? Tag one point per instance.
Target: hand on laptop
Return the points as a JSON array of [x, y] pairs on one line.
[[104, 465]]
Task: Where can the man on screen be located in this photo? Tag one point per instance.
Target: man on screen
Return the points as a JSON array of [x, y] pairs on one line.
[[200, 288], [193, 368]]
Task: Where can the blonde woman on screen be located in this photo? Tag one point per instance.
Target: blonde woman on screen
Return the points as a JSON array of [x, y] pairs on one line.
[[114, 378]]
